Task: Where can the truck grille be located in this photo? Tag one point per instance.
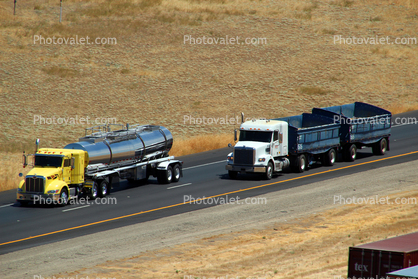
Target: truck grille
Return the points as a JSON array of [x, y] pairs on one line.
[[34, 184], [244, 156]]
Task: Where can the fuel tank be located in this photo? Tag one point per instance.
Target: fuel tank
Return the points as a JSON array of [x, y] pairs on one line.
[[123, 146]]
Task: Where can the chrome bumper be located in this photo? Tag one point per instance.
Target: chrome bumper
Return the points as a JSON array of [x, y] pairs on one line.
[[37, 197], [245, 168]]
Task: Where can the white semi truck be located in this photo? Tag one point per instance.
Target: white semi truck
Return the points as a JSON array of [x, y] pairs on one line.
[[269, 146]]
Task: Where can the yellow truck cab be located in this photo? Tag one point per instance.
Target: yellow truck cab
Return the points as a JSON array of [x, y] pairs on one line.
[[54, 172]]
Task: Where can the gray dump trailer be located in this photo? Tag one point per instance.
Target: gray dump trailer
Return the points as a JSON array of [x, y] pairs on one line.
[[362, 125]]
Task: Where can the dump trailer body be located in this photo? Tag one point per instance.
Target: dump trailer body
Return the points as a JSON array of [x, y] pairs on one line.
[[311, 133], [382, 257], [360, 122]]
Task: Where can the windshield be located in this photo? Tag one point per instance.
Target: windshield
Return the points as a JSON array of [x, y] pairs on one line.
[[255, 136], [48, 161]]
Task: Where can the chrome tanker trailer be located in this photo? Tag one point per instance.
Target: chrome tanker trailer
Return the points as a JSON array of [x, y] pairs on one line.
[[88, 166]]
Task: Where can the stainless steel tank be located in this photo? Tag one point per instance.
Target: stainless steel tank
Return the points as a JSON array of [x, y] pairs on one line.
[[126, 145]]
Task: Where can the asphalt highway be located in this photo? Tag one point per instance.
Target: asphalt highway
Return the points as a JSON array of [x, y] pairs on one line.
[[204, 177]]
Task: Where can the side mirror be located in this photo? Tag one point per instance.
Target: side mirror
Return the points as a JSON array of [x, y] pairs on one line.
[[235, 135], [229, 145], [24, 160], [72, 163]]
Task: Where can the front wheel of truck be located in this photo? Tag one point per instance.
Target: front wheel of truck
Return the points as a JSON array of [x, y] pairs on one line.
[[269, 171], [63, 199]]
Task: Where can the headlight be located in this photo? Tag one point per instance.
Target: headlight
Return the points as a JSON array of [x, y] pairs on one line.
[[262, 159], [53, 191], [20, 190]]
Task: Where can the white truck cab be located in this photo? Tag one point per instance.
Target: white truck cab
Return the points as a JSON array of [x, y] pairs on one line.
[[262, 148]]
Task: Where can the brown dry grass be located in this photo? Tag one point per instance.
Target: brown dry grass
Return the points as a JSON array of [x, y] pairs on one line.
[[312, 247], [399, 108], [150, 76], [10, 167], [200, 144]]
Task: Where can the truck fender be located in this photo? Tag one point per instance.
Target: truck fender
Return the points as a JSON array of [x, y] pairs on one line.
[[272, 162], [21, 183], [164, 165], [58, 185]]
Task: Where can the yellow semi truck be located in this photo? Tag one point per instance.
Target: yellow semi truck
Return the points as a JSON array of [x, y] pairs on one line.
[[88, 166]]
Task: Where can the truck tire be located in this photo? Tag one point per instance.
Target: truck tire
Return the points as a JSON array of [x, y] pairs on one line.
[[103, 189], [165, 176], [351, 153], [379, 148], [330, 157], [94, 191], [269, 171], [233, 174], [176, 173], [301, 163], [63, 199]]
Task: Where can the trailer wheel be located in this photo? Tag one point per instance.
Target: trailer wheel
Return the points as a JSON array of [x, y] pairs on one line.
[[301, 163], [330, 157], [351, 153], [165, 176], [103, 189], [233, 174], [176, 173], [379, 148], [94, 190], [63, 199], [269, 171]]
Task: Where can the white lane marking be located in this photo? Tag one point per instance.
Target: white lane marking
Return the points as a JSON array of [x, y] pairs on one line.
[[178, 186], [393, 126], [6, 205], [75, 208], [223, 161]]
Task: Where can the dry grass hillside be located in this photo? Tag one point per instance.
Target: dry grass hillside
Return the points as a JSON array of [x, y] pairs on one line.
[[150, 75]]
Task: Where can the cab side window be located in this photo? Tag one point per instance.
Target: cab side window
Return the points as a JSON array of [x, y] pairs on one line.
[[276, 136], [67, 162]]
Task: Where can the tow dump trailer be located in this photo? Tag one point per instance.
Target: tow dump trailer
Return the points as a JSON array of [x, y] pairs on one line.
[[88, 166], [269, 146], [362, 125]]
